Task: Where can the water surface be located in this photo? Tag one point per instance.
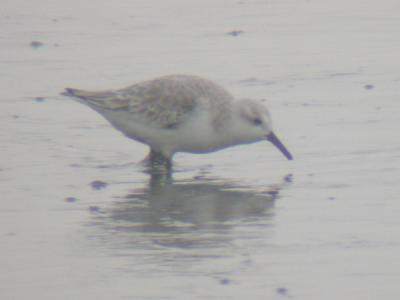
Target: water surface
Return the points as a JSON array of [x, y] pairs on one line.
[[81, 219]]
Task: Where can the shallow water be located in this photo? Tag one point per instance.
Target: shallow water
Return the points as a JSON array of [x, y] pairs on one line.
[[81, 219]]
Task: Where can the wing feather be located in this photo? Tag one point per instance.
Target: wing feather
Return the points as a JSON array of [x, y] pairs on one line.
[[165, 102]]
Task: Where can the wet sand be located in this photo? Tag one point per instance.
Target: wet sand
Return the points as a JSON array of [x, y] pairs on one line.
[[80, 218]]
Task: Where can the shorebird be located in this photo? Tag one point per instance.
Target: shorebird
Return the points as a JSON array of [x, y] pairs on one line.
[[181, 113]]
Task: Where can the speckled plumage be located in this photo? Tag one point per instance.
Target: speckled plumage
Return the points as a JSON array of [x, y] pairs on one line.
[[182, 113], [163, 102]]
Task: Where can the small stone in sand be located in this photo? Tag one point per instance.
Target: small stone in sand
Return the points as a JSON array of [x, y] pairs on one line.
[[98, 185], [94, 209], [282, 291], [71, 199], [36, 44], [39, 99], [225, 281], [235, 32]]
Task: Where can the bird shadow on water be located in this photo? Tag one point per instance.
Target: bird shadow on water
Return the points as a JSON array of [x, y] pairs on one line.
[[189, 213]]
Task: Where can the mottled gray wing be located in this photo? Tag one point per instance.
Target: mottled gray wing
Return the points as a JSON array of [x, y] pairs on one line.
[[103, 99], [165, 102]]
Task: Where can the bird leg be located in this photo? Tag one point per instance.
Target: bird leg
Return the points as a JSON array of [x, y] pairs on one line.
[[157, 161]]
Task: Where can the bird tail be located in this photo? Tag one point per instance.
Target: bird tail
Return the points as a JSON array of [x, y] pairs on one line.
[[102, 99], [76, 93]]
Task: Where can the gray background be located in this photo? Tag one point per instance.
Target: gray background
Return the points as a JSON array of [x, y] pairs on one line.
[[242, 223]]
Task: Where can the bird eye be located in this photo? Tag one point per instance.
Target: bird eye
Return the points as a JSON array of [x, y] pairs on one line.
[[257, 121]]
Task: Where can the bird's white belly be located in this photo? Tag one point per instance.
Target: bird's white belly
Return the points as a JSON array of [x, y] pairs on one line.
[[196, 135]]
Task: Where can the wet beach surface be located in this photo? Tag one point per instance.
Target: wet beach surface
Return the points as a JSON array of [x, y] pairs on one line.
[[81, 218]]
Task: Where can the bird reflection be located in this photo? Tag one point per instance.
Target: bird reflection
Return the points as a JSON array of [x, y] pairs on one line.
[[165, 204], [193, 213]]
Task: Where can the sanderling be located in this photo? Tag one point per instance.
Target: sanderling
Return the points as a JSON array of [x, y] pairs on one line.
[[182, 113]]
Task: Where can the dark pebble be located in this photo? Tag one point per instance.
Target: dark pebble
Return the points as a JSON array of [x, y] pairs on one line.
[[369, 86], [225, 281], [235, 32], [94, 209], [71, 199], [282, 291], [288, 178], [98, 185], [39, 99], [36, 44]]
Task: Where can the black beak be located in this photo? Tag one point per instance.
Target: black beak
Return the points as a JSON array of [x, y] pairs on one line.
[[277, 143]]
